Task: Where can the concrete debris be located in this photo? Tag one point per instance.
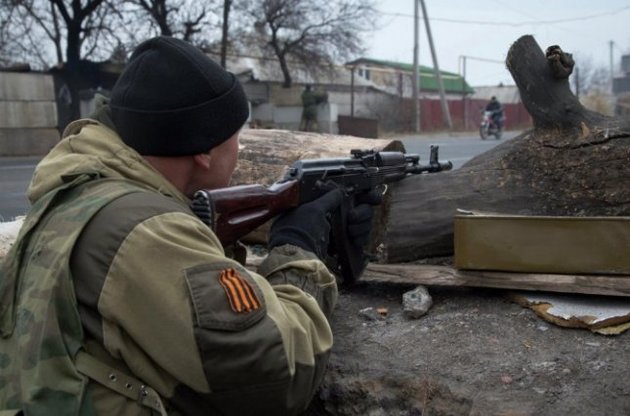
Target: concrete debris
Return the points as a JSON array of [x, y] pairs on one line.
[[371, 314], [601, 314], [417, 302]]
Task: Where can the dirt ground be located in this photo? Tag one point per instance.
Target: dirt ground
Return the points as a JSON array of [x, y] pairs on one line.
[[474, 353]]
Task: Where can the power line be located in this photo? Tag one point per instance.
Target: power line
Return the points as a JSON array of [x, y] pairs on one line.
[[495, 61], [525, 23], [509, 6]]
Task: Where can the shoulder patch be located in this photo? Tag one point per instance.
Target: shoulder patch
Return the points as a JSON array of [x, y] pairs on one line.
[[239, 292], [224, 296]]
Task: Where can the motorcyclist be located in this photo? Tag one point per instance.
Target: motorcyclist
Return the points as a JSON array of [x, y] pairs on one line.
[[496, 108]]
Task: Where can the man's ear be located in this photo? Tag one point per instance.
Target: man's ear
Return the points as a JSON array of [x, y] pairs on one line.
[[203, 159]]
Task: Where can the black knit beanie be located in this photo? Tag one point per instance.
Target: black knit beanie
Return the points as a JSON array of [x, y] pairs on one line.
[[173, 100]]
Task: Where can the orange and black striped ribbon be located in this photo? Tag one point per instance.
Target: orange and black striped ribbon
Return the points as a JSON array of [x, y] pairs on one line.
[[239, 292]]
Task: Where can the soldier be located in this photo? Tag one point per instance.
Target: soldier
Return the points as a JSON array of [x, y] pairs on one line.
[[117, 300], [310, 100]]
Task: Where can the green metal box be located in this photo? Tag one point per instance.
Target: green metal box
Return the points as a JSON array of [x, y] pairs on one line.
[[542, 244]]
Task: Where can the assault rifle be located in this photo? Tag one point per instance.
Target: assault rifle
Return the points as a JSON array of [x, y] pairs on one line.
[[235, 211]]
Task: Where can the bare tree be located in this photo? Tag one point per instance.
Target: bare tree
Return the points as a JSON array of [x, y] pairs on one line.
[[185, 19], [72, 27], [313, 34], [227, 5], [4, 35], [81, 21], [592, 84], [588, 77], [62, 33], [31, 33]]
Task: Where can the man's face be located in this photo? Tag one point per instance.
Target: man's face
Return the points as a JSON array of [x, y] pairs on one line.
[[222, 163]]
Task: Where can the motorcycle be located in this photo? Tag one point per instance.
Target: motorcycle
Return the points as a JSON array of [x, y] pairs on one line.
[[489, 127]]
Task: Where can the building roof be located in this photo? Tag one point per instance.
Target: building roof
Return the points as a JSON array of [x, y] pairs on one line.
[[453, 82], [268, 70], [506, 94]]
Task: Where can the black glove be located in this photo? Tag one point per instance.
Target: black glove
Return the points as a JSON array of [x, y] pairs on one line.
[[307, 226], [360, 218]]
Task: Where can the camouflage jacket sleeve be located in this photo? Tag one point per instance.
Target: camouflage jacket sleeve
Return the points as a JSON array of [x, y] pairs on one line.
[[158, 292]]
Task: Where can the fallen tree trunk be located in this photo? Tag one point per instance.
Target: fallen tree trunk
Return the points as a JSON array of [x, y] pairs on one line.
[[573, 162], [264, 155]]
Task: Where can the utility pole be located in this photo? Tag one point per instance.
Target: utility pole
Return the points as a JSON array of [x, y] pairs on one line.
[[415, 78], [611, 43], [352, 91], [445, 111], [465, 58], [464, 106]]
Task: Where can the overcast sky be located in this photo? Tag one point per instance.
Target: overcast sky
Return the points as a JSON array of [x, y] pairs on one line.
[[486, 28]]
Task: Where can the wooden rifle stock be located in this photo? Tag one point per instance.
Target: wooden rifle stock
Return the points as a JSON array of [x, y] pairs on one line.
[[235, 211]]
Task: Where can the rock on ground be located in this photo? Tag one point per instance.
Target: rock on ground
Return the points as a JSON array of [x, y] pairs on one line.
[[474, 353]]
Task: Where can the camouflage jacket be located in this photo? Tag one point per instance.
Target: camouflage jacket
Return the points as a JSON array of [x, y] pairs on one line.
[[158, 301]]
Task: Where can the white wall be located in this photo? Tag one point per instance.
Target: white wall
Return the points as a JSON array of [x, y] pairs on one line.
[[26, 86], [28, 113], [289, 117], [27, 100]]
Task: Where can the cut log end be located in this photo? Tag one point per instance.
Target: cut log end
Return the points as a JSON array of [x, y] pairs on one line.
[[574, 162]]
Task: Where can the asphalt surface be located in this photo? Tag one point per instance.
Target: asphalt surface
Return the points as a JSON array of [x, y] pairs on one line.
[[15, 175], [16, 172], [456, 147]]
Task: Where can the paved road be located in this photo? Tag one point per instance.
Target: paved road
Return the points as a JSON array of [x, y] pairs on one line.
[[458, 148], [15, 173]]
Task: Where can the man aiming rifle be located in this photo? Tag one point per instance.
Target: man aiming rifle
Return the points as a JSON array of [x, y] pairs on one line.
[[117, 299]]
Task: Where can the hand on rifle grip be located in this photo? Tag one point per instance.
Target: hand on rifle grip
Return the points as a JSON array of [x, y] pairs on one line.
[[360, 217], [307, 226]]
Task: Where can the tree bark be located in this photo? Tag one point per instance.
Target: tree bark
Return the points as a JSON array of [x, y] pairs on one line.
[[227, 4], [573, 162], [264, 155]]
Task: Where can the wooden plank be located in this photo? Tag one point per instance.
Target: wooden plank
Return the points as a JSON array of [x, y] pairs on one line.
[[613, 285]]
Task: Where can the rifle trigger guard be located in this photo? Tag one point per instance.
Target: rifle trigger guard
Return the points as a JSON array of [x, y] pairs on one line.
[[327, 185], [201, 206]]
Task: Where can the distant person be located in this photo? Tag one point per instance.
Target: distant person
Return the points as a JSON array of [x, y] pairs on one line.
[[496, 108], [310, 100]]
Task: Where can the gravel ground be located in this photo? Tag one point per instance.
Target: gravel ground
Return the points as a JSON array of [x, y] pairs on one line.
[[474, 353]]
